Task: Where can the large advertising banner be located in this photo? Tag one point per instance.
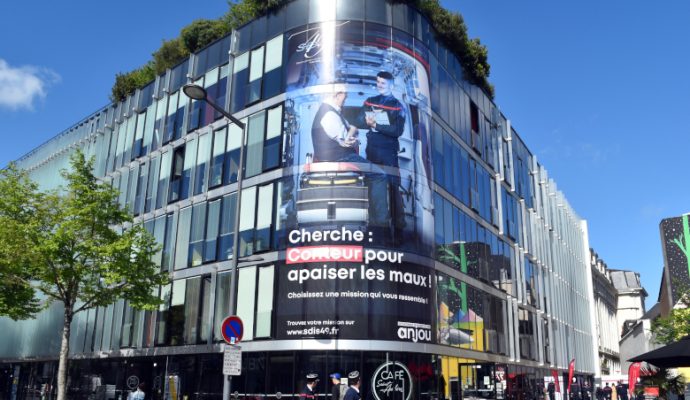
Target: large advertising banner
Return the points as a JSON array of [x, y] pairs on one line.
[[675, 238], [333, 285], [357, 117], [357, 124]]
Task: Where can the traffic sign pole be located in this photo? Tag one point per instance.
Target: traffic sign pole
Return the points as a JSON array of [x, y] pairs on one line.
[[227, 381]]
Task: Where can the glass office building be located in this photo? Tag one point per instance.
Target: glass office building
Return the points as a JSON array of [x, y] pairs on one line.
[[390, 219]]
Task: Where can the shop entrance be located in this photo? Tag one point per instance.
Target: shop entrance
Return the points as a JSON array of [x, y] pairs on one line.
[[482, 381]]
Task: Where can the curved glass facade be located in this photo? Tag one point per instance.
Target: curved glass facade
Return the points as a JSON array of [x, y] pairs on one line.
[[388, 213]]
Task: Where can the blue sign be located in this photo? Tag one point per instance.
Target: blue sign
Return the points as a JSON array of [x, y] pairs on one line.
[[232, 329]]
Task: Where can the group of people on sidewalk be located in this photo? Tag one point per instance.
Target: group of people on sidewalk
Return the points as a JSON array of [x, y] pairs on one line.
[[612, 392], [339, 391]]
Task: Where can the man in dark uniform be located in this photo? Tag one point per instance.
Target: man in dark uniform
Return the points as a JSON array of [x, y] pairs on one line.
[[308, 391], [551, 389], [607, 391], [622, 391], [334, 139], [384, 116], [353, 391]]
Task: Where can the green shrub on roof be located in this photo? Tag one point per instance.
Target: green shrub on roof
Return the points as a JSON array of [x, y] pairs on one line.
[[449, 26]]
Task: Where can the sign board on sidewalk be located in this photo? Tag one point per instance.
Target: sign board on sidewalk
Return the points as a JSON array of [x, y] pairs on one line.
[[232, 361]]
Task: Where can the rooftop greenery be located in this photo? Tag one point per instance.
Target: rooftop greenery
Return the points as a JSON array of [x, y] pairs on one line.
[[450, 27]]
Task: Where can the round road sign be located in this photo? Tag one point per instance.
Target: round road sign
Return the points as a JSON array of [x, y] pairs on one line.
[[232, 329]]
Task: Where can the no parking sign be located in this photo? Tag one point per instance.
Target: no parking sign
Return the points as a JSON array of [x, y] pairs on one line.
[[232, 329]]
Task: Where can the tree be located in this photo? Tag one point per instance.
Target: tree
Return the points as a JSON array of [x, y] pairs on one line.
[[75, 250], [171, 53], [676, 325], [450, 27], [201, 33], [19, 205]]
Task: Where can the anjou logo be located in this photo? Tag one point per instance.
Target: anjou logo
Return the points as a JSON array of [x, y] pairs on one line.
[[414, 332]]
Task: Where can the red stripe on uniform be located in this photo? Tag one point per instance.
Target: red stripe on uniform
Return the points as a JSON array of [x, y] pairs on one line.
[[366, 103]]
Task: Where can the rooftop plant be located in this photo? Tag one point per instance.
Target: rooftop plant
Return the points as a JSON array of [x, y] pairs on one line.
[[450, 27]]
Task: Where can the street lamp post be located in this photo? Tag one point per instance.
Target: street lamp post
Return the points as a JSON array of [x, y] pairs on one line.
[[198, 93]]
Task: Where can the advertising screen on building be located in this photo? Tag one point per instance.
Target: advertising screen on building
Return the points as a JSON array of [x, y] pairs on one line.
[[675, 238], [359, 197]]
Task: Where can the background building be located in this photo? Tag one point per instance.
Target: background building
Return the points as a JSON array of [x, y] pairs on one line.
[[606, 303], [631, 297], [437, 246]]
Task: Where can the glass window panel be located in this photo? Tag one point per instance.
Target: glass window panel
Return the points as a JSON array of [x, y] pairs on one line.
[[121, 138], [211, 85], [255, 138], [350, 9], [274, 129], [124, 180], [247, 219], [212, 224], [162, 320], [297, 13], [221, 93], [176, 173], [196, 110], [275, 24], [204, 328], [201, 180], [227, 226], [320, 11], [169, 246], [132, 187], [274, 123], [241, 63], [137, 322], [255, 73], [166, 160], [279, 231], [264, 306], [239, 82], [263, 218], [378, 11], [100, 314], [141, 189], [189, 161], [107, 327], [170, 119], [159, 123], [258, 31], [274, 53], [222, 305], [218, 157], [125, 337], [176, 313], [139, 136], [179, 117], [246, 295], [232, 154], [191, 310], [159, 235], [152, 186], [196, 239], [181, 247]]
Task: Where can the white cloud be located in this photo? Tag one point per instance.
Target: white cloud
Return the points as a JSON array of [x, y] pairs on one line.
[[20, 87]]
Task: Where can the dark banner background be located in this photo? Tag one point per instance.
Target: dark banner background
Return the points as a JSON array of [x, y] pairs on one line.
[[374, 317]]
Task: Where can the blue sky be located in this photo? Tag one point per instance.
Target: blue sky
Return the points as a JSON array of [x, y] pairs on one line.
[[598, 90]]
